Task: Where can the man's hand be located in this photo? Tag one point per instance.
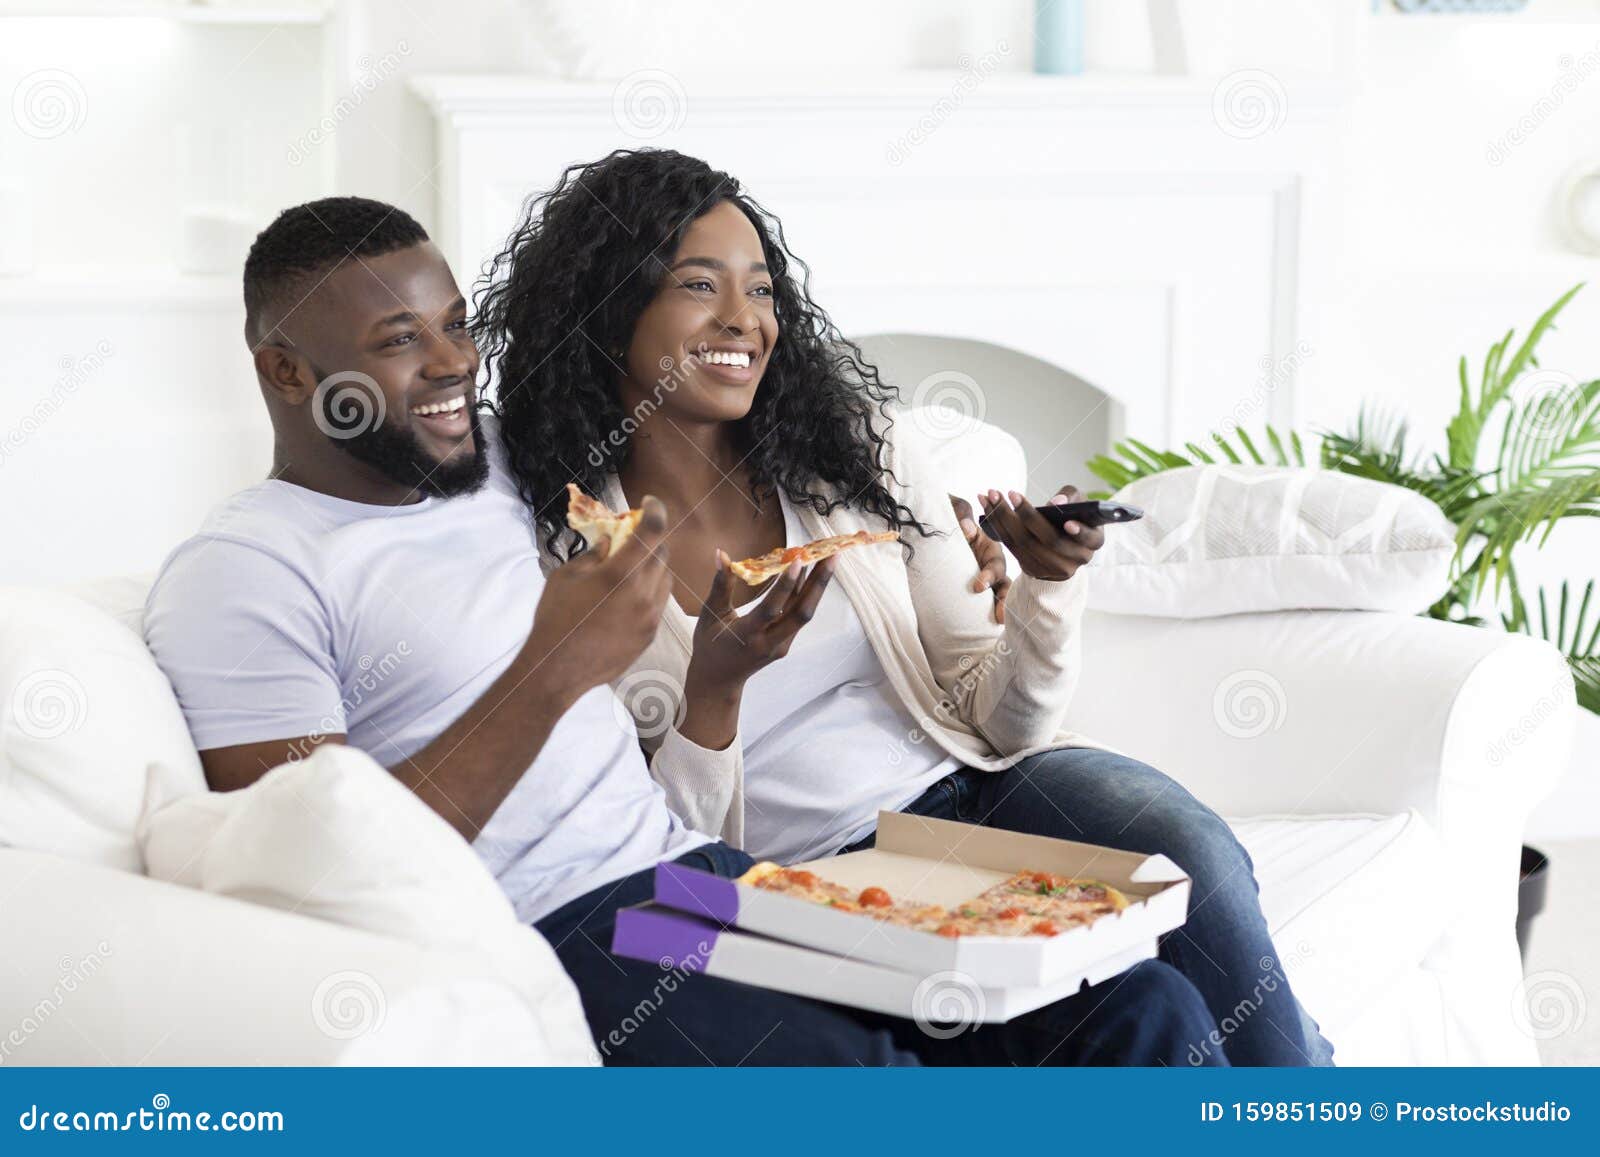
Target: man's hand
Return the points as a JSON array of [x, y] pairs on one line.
[[599, 611], [730, 647], [1041, 550], [991, 574]]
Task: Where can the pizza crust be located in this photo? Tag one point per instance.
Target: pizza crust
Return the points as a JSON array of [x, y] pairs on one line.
[[597, 522]]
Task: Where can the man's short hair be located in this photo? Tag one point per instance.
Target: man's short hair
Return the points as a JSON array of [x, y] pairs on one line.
[[291, 255]]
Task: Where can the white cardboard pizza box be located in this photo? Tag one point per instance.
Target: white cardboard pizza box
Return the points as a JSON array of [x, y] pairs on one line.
[[943, 862], [676, 940]]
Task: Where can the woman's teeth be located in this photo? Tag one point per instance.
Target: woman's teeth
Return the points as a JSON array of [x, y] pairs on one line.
[[452, 406], [726, 358]]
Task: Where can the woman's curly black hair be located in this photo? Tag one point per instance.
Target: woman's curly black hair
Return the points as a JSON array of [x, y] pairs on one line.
[[570, 285]]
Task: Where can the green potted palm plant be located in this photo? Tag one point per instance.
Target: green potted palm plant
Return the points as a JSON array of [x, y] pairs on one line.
[[1520, 454]]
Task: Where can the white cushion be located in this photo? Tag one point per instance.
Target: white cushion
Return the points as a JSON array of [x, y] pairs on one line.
[[1222, 540], [336, 837], [1352, 902], [120, 596], [90, 733], [967, 454]]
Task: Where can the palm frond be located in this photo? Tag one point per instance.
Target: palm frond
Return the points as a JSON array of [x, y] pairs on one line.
[[1570, 633], [1505, 519], [1551, 434], [1132, 459], [1586, 681], [1376, 448], [1465, 429]]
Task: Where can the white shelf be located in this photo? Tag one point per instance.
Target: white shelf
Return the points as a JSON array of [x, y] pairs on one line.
[[494, 94], [127, 288], [182, 13]]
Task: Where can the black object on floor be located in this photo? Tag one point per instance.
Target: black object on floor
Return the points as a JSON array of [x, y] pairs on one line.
[[1534, 883]]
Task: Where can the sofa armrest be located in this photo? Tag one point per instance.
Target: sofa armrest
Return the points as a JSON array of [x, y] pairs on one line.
[[1334, 711], [110, 968]]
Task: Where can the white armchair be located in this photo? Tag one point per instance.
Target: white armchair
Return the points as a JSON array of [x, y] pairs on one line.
[[1379, 768]]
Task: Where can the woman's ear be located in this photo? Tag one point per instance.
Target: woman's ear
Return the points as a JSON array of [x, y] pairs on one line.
[[284, 374]]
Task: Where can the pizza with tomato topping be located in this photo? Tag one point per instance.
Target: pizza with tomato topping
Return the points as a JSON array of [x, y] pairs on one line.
[[1026, 904], [597, 522], [755, 571]]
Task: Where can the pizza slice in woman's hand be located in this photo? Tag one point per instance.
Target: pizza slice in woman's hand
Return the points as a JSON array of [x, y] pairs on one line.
[[755, 571]]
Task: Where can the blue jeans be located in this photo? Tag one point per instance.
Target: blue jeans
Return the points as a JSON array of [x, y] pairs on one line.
[[1098, 797], [1147, 1016]]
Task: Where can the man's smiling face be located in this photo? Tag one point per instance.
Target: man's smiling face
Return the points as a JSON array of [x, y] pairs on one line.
[[386, 338]]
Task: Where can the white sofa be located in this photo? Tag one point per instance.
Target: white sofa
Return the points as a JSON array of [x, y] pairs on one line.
[[1383, 804]]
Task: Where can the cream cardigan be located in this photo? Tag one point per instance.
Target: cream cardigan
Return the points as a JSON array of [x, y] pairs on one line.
[[987, 695]]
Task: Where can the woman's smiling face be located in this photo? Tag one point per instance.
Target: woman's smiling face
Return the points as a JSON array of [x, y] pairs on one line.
[[701, 345]]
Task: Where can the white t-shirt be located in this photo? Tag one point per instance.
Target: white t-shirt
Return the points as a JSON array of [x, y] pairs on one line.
[[827, 742], [294, 613]]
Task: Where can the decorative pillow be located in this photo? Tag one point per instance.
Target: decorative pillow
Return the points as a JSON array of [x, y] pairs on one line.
[[1221, 540], [336, 837], [90, 733]]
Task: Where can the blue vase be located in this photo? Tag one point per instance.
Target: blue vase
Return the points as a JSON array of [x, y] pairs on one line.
[[1058, 37]]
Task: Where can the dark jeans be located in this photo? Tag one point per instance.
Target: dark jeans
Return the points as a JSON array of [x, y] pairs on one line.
[[1149, 1015], [1099, 797]]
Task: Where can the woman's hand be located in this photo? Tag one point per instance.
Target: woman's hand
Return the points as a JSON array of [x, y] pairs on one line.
[[991, 574], [730, 647], [1041, 550]]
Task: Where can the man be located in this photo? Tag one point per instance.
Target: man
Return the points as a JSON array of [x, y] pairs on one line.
[[388, 527]]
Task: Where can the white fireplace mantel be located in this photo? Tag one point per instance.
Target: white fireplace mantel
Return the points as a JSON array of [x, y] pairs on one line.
[[1128, 231]]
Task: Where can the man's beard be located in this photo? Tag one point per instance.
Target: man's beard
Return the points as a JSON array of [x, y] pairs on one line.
[[397, 454]]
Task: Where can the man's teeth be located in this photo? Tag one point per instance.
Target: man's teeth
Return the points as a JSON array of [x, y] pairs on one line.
[[726, 358], [452, 406]]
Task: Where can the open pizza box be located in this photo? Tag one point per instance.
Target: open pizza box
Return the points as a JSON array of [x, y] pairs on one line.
[[937, 862], [676, 940]]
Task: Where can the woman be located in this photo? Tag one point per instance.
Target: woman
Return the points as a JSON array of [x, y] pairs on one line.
[[648, 333]]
